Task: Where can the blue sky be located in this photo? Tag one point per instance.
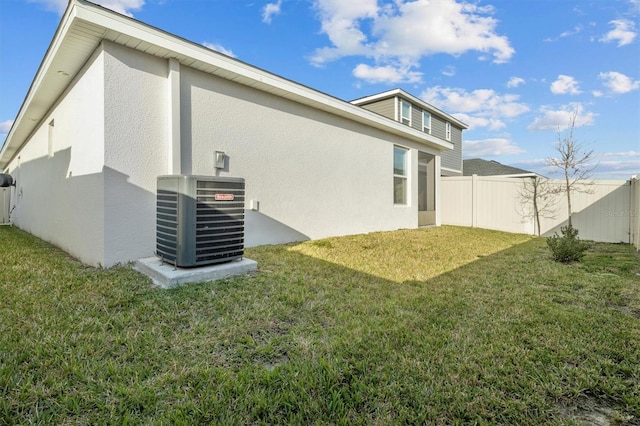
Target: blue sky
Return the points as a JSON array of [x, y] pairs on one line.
[[514, 70]]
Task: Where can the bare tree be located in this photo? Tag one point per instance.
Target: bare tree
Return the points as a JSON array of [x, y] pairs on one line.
[[539, 193], [574, 162]]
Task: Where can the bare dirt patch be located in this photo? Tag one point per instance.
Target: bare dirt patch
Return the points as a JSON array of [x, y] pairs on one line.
[[593, 412]]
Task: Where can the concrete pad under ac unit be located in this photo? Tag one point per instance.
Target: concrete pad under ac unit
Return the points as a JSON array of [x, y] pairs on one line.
[[168, 276]]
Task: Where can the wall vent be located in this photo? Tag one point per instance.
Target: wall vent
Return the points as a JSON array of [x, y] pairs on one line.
[[199, 219]]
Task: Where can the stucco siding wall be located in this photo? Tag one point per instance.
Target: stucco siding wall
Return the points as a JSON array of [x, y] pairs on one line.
[[59, 192], [311, 173], [136, 111], [314, 174]]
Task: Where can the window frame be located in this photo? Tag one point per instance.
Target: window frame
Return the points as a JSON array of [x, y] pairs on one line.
[[447, 131], [402, 116], [404, 177], [426, 128]]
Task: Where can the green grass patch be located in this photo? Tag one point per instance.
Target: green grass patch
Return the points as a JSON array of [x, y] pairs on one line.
[[438, 325], [617, 259]]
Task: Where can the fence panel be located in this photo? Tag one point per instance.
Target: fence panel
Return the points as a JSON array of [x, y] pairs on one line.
[[499, 205], [456, 201], [602, 214], [606, 213], [5, 201]]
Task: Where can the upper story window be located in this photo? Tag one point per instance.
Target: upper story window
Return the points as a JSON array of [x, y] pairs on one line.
[[405, 112], [447, 131], [400, 175], [426, 122]]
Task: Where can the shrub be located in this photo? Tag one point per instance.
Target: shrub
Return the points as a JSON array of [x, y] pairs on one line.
[[568, 248]]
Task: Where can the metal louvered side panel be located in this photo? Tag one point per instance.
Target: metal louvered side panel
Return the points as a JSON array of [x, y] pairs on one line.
[[219, 220], [167, 225]]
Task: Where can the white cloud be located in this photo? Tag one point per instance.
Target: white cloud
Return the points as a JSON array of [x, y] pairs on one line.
[[449, 71], [270, 10], [418, 28], [619, 164], [219, 48], [5, 126], [618, 170], [618, 83], [124, 7], [490, 148], [515, 82], [458, 100], [625, 154], [479, 108], [565, 85], [341, 22], [404, 31], [386, 74], [576, 30], [618, 167], [474, 121], [633, 165], [532, 162], [623, 32], [559, 119]]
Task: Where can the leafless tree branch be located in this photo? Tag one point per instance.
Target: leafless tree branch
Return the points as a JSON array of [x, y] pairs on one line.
[[575, 163], [538, 194]]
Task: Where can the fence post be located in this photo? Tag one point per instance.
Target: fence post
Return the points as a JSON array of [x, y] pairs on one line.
[[474, 201], [634, 213]]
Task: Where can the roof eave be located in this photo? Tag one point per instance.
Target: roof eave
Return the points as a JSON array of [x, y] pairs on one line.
[[9, 148], [223, 66]]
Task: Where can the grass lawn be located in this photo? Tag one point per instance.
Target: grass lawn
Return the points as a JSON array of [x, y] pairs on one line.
[[439, 325]]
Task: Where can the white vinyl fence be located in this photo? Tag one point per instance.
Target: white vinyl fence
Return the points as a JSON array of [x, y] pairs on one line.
[[609, 212], [634, 213], [5, 201]]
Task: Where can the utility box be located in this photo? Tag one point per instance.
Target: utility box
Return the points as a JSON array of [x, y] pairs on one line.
[[199, 219]]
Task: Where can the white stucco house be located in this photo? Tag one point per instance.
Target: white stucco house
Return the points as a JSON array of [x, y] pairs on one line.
[[117, 103]]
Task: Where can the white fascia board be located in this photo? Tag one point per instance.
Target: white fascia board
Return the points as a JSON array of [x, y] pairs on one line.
[[260, 79], [9, 148], [376, 97], [127, 26], [241, 72]]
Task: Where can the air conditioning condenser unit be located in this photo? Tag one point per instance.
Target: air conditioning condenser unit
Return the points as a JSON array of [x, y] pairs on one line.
[[199, 219]]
